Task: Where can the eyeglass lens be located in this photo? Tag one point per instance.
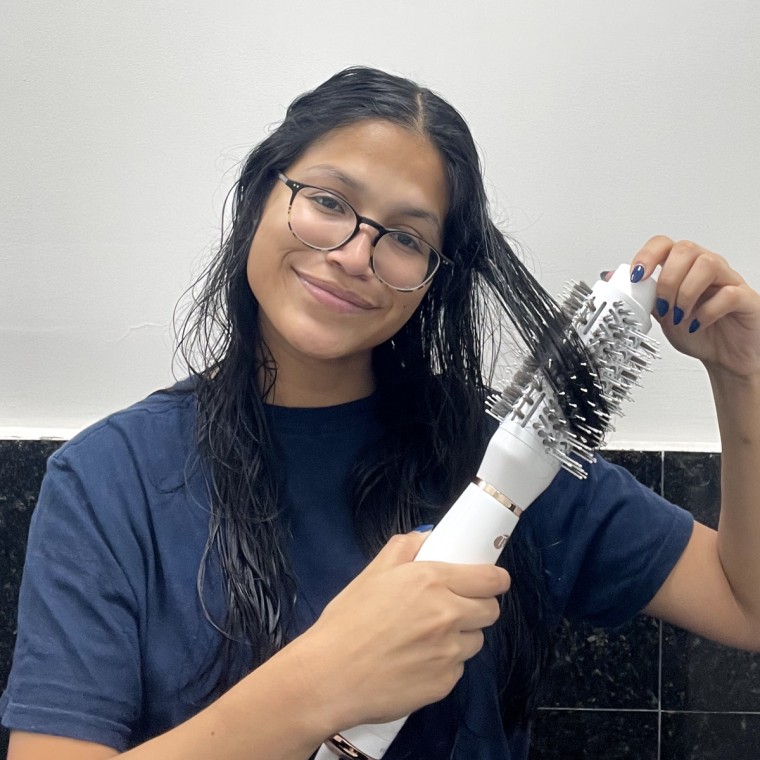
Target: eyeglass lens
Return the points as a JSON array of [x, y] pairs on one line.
[[324, 220]]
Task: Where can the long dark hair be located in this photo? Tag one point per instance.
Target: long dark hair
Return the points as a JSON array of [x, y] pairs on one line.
[[431, 378]]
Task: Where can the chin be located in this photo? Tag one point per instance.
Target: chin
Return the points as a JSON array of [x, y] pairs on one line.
[[333, 353], [318, 346]]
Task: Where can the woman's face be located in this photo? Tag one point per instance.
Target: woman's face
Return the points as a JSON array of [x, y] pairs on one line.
[[329, 305]]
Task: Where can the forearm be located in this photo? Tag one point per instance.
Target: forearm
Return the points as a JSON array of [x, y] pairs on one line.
[[268, 716], [737, 401]]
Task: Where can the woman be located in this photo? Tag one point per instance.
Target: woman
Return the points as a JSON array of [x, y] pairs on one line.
[[214, 571]]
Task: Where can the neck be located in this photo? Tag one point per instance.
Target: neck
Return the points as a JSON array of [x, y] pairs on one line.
[[315, 383]]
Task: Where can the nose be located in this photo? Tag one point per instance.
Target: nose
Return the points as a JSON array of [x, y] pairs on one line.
[[355, 254]]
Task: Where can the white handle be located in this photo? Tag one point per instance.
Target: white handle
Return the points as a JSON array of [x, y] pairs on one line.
[[473, 531], [368, 742]]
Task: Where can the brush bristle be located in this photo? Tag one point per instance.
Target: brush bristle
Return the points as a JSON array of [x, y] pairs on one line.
[[621, 353]]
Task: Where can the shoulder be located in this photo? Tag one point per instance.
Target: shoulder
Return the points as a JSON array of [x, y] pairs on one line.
[[153, 438], [607, 542], [121, 485], [605, 487], [574, 512]]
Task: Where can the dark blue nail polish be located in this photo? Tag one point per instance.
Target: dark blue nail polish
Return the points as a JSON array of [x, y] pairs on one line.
[[694, 326], [677, 315], [662, 306], [423, 528], [638, 273]]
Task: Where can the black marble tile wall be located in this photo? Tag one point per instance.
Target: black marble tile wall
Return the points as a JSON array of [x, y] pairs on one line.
[[650, 691], [646, 691], [22, 465]]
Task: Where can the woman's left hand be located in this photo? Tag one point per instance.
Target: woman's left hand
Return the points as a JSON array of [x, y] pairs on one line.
[[705, 308], [708, 311]]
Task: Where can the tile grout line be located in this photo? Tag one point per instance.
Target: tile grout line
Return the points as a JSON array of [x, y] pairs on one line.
[[660, 636], [599, 709], [647, 711], [712, 712], [659, 689]]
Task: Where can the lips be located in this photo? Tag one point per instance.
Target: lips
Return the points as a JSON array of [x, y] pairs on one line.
[[333, 294]]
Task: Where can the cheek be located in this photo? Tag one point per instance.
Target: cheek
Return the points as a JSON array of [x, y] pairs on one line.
[[259, 266], [414, 300], [268, 239], [253, 273], [407, 307], [253, 261]]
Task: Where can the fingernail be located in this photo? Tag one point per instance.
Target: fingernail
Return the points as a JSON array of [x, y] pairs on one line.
[[677, 315], [423, 528], [662, 306], [694, 326], [604, 274], [637, 273]]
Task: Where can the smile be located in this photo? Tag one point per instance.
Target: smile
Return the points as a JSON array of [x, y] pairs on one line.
[[334, 297]]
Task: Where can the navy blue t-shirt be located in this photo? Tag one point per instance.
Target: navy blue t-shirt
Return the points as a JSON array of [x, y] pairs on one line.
[[111, 630]]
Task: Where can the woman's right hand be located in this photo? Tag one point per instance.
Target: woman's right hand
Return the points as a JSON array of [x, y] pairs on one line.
[[393, 640], [397, 637]]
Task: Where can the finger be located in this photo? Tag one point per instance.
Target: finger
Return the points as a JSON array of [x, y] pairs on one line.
[[474, 581], [476, 614], [651, 254], [730, 299], [676, 268], [693, 277], [471, 643], [399, 549], [690, 276]]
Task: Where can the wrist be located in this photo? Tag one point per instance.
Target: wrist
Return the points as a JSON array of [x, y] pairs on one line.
[[725, 381], [278, 704], [737, 403], [313, 684]]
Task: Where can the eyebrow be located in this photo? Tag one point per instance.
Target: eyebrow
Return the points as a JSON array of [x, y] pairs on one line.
[[358, 186]]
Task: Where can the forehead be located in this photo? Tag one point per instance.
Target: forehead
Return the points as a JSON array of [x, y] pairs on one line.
[[382, 161]]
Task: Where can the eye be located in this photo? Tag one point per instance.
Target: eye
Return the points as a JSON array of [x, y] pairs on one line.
[[408, 243], [326, 202]]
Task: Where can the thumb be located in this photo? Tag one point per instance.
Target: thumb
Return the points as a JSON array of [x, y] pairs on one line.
[[401, 548]]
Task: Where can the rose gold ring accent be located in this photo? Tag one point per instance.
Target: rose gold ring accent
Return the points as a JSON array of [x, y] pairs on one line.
[[499, 496], [344, 749]]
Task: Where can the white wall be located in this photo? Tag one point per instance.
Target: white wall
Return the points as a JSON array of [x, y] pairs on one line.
[[600, 123]]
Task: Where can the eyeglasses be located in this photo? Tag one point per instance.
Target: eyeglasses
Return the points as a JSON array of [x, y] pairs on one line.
[[324, 221]]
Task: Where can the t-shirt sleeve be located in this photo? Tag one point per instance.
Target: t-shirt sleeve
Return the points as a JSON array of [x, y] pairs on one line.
[[607, 543], [76, 667]]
